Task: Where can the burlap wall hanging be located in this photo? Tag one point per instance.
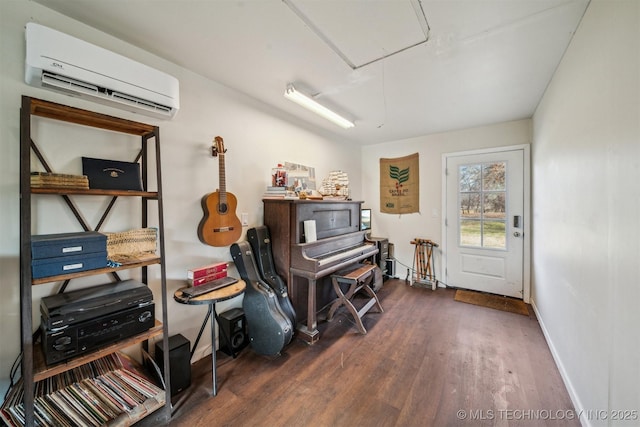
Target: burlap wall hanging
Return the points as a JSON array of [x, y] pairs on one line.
[[400, 185]]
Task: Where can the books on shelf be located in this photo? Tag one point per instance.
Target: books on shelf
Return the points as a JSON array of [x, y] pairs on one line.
[[59, 180], [107, 391]]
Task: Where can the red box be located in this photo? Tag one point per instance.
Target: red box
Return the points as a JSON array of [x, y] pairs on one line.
[[206, 279], [207, 270]]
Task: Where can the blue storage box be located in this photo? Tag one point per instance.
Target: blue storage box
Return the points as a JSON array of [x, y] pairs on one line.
[[46, 267], [56, 254], [67, 244]]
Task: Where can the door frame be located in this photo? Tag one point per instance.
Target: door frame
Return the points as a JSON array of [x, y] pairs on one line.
[[526, 259]]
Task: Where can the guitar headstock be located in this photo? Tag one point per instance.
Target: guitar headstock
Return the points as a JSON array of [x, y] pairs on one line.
[[218, 146]]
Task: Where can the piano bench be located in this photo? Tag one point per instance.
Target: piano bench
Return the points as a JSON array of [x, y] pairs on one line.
[[358, 279]]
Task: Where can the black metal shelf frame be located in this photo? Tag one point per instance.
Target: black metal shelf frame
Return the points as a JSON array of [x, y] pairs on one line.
[[150, 135]]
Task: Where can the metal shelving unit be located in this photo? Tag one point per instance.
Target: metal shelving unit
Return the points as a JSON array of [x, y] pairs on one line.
[[33, 367]]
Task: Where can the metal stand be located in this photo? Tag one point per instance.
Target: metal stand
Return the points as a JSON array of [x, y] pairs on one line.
[[423, 271], [211, 298]]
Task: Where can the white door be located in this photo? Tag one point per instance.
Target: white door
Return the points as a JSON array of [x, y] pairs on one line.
[[484, 222]]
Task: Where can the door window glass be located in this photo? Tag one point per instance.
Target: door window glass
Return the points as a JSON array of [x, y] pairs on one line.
[[482, 210]]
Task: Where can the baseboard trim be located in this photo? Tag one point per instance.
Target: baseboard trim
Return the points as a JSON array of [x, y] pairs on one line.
[[573, 395]]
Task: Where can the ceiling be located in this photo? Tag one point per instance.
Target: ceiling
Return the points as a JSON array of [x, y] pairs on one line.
[[398, 68]]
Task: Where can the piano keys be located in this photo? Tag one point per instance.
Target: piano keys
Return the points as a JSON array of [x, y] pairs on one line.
[[343, 255], [323, 254], [307, 266]]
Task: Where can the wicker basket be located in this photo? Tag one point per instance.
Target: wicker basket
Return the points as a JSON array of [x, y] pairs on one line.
[[132, 244]]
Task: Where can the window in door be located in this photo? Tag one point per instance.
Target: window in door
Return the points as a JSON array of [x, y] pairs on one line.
[[482, 210]]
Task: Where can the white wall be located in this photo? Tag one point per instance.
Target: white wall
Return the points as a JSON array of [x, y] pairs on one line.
[[401, 229], [586, 168], [256, 136], [586, 203]]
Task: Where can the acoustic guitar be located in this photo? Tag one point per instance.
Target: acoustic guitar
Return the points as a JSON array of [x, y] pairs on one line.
[[220, 225]]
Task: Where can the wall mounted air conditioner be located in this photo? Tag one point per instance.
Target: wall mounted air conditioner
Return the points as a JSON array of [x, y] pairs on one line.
[[57, 61]]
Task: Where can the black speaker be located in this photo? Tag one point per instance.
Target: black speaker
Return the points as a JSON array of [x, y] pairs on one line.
[[179, 362], [391, 267], [383, 252], [233, 331]]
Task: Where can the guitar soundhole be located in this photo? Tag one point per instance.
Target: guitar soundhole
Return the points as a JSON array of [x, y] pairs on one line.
[[222, 208]]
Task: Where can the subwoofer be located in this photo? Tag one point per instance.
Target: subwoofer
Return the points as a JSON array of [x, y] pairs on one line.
[[233, 331], [179, 362]]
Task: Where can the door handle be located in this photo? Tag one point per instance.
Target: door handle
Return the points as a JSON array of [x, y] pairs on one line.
[[516, 221], [517, 233]]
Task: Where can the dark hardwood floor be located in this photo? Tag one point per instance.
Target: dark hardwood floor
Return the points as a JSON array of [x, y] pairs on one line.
[[426, 361]]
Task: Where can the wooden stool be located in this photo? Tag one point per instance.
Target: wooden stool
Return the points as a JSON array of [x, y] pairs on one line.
[[356, 279]]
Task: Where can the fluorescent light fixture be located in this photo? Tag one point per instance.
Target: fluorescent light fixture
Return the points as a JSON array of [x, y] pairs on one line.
[[301, 99]]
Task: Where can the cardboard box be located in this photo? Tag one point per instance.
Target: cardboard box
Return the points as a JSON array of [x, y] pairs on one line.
[[206, 279], [206, 270]]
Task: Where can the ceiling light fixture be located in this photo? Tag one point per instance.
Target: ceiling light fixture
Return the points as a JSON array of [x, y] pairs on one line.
[[307, 102]]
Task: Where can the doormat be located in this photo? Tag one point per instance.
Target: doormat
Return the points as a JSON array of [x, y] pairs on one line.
[[497, 302]]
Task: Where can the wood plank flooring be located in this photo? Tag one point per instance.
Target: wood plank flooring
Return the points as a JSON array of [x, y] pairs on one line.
[[426, 361]]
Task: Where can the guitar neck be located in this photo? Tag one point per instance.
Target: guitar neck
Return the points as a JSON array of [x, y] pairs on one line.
[[222, 180]]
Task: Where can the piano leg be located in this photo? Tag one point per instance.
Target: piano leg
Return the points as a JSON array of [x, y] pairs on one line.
[[310, 332]]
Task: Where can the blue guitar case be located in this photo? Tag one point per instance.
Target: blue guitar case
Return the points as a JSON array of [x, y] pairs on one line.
[[268, 327], [260, 242]]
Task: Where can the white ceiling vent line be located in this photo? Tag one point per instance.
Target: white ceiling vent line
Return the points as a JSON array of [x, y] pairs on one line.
[[361, 34]]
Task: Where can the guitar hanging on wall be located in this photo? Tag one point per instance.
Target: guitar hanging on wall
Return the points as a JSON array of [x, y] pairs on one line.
[[220, 225]]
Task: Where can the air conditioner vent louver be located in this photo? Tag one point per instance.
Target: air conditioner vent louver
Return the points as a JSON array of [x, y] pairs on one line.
[[61, 82], [140, 103], [67, 84]]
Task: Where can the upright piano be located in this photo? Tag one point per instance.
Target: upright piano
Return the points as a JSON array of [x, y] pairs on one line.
[[307, 266]]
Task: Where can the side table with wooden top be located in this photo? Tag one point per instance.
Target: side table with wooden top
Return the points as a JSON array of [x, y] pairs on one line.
[[211, 298]]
